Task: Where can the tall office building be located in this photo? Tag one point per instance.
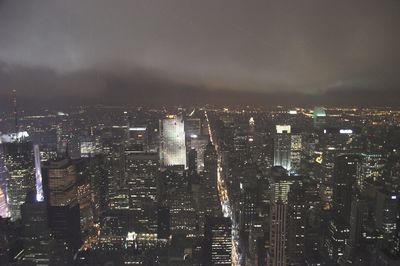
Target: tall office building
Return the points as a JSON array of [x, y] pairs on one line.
[[387, 212], [295, 152], [175, 193], [319, 117], [141, 170], [347, 171], [35, 231], [193, 126], [3, 187], [38, 173], [282, 147], [280, 187], [192, 161], [248, 210], [19, 161], [199, 143], [297, 208], [209, 186], [138, 135], [218, 241], [172, 141], [61, 194]]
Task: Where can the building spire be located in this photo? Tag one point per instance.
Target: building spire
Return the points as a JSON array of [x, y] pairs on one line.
[[14, 92]]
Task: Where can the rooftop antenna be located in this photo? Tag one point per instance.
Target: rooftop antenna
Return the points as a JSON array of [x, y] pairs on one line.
[[15, 110]]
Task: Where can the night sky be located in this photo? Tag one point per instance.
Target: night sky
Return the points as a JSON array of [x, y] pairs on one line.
[[277, 52]]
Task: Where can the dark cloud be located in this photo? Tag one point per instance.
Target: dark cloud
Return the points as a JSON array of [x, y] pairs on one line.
[[261, 46], [36, 87]]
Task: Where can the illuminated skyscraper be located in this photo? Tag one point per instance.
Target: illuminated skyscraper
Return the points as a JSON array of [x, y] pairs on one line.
[[141, 170], [280, 187], [3, 187], [180, 201], [172, 141], [199, 143], [35, 231], [319, 117], [295, 152], [347, 171], [138, 135], [19, 161], [282, 147], [209, 182], [60, 183], [218, 241], [38, 174]]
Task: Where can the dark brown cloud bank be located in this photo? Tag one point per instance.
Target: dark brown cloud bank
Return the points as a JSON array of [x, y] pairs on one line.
[[251, 52]]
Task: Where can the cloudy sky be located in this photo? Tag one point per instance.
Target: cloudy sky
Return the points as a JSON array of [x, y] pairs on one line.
[[262, 46]]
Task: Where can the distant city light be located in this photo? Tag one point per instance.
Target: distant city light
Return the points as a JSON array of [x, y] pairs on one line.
[[283, 128], [137, 128], [346, 131], [13, 137]]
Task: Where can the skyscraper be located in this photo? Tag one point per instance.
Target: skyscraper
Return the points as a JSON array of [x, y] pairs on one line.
[[319, 117], [282, 147], [172, 141], [297, 208], [347, 172], [19, 161], [218, 241], [38, 174], [280, 187], [36, 232], [295, 152], [199, 143], [3, 187], [141, 169], [61, 194], [209, 193]]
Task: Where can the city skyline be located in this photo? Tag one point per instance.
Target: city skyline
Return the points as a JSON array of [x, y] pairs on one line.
[[199, 133]]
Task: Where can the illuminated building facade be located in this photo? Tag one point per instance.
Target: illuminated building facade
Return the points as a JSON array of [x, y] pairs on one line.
[[295, 152], [172, 141], [218, 241], [36, 233], [180, 201], [3, 187], [297, 222], [280, 187], [282, 147], [209, 193], [347, 171], [199, 143], [141, 170], [38, 174], [319, 117], [19, 161], [138, 135], [61, 179]]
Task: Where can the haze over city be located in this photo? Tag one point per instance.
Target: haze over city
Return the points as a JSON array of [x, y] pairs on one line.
[[337, 52]]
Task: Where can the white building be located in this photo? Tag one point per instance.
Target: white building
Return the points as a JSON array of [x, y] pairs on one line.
[[172, 141]]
